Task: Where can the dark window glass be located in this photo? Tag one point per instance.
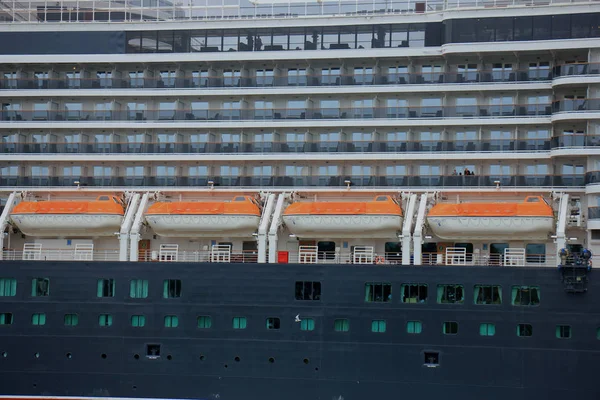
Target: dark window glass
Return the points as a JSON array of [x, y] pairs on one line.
[[463, 32], [525, 296], [485, 30], [581, 25], [523, 28], [542, 27], [378, 292], [561, 26], [524, 330], [306, 290], [504, 29]]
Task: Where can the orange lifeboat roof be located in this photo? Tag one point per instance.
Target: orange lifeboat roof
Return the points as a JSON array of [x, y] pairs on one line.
[[102, 205], [240, 205], [381, 205], [533, 206]]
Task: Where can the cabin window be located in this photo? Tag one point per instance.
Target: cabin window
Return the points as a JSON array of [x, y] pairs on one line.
[[535, 253], [341, 325], [138, 321], [153, 350], [326, 250], [393, 251], [171, 288], [378, 292], [414, 327], [204, 321], [378, 326], [487, 329], [171, 321], [598, 333], [71, 319], [38, 319], [307, 324], [8, 287], [306, 290], [432, 358], [487, 294], [106, 288], [105, 320], [450, 328], [273, 323], [525, 296], [414, 293], [40, 287], [563, 331], [524, 330], [450, 294], [138, 288], [6, 318], [239, 322]]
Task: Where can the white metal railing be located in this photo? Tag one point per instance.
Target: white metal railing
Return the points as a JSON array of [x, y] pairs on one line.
[[456, 256], [220, 253], [514, 257], [169, 252], [363, 255], [84, 252], [86, 11]]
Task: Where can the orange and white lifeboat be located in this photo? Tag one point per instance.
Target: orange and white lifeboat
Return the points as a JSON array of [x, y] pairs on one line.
[[380, 218], [527, 220], [101, 217], [239, 217]]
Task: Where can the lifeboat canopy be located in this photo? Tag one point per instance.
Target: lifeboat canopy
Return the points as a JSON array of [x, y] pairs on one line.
[[378, 218], [238, 217], [69, 218], [531, 219]]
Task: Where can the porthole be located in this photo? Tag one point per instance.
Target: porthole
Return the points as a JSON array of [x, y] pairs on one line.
[[36, 355], [69, 355], [225, 365], [316, 368], [237, 359], [202, 357], [4, 354], [136, 356], [306, 361], [134, 387], [103, 356], [271, 360]]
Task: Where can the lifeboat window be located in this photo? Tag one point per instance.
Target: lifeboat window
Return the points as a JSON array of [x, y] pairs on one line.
[[414, 292], [71, 319], [382, 198], [171, 321], [106, 288], [8, 287], [326, 250], [525, 296], [533, 200], [204, 321], [563, 331], [307, 290], [487, 294], [6, 318], [105, 320], [171, 288], [378, 325], [40, 287], [524, 330], [239, 322], [239, 198], [393, 252], [138, 321], [450, 294], [414, 327], [138, 288], [273, 323], [535, 253], [103, 198], [450, 328], [341, 325], [378, 292]]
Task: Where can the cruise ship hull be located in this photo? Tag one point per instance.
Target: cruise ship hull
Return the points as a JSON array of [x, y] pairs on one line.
[[221, 362]]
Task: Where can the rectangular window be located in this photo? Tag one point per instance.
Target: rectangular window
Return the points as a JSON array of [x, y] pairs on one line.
[[105, 320], [414, 293], [525, 296], [138, 288], [71, 319], [524, 330], [341, 325], [487, 329], [563, 331], [6, 318], [239, 322], [487, 294], [415, 327], [171, 288], [38, 319], [450, 328], [378, 326], [378, 292], [450, 294], [106, 288], [273, 323], [171, 321], [138, 321], [306, 290], [432, 358], [40, 287], [307, 324], [8, 287], [204, 322]]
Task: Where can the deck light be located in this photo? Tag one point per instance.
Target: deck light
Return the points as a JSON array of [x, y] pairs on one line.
[[211, 184], [348, 183]]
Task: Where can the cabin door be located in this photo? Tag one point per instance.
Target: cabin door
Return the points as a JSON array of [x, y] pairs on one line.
[[144, 250]]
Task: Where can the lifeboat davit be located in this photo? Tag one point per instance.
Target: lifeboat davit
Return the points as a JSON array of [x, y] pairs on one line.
[[101, 217], [380, 218], [239, 217], [532, 219]]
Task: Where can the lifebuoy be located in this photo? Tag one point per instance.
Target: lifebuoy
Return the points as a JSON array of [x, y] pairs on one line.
[[379, 260]]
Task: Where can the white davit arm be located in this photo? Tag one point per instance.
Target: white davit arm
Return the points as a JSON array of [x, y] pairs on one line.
[[274, 228], [407, 227], [10, 203], [262, 228]]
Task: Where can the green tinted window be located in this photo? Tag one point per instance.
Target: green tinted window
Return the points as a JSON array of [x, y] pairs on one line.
[[138, 289], [307, 324], [138, 321], [414, 327], [341, 325], [378, 326], [38, 319], [204, 322], [487, 329], [171, 321], [71, 319], [239, 322], [8, 287]]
